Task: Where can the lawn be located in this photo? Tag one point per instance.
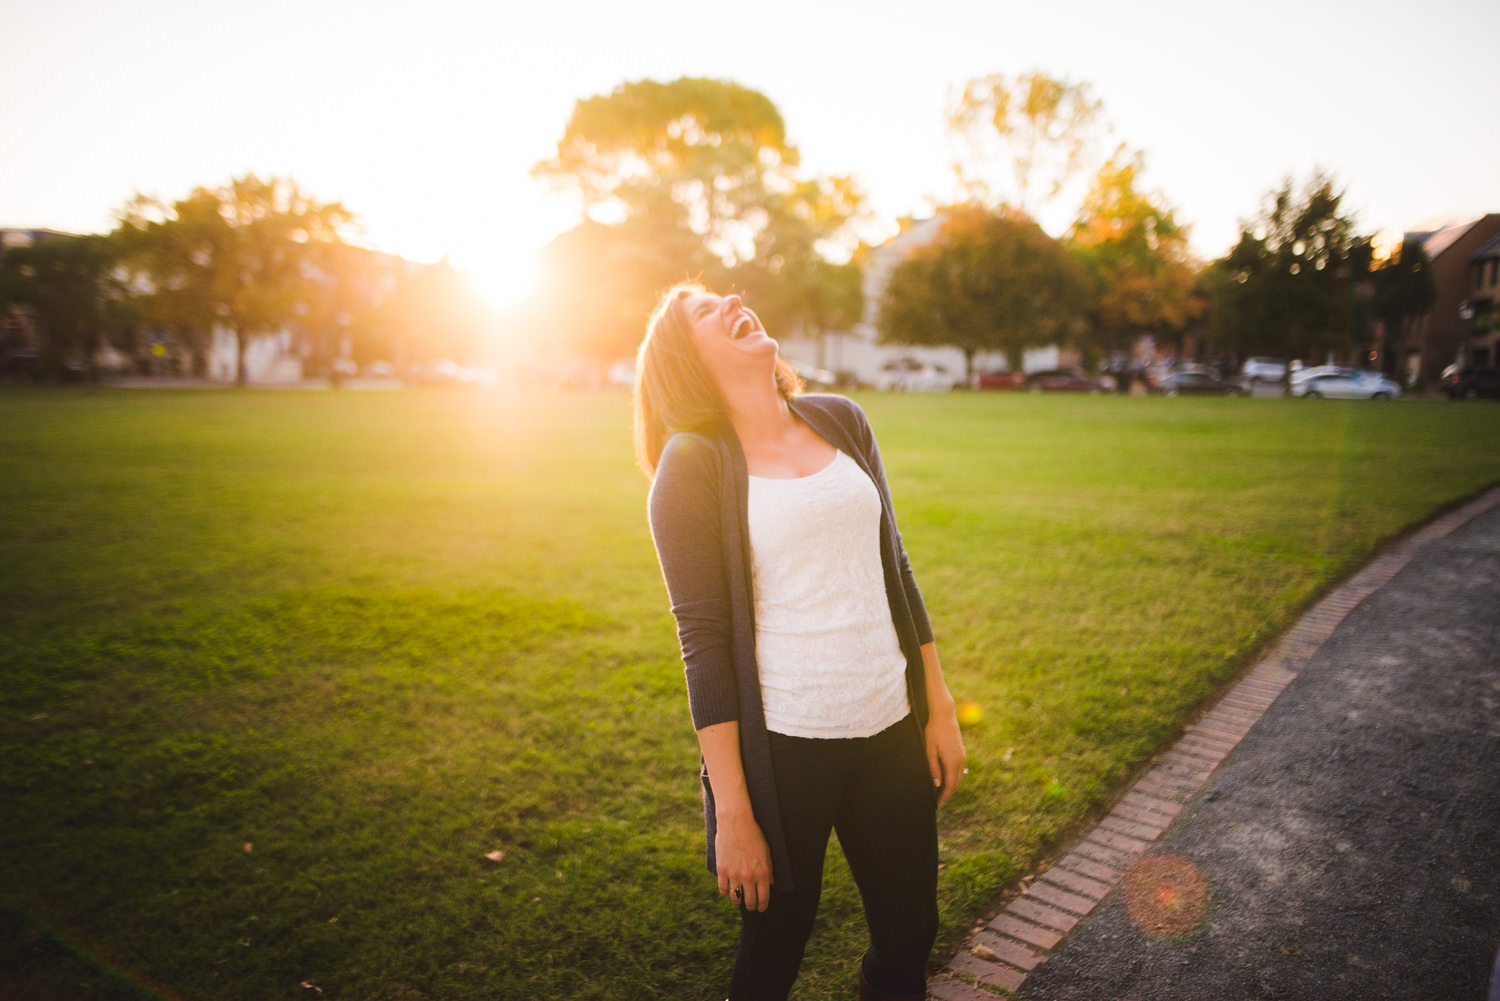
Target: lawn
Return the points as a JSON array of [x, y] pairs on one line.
[[280, 670]]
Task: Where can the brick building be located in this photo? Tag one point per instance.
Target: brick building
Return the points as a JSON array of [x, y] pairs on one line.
[[1439, 335]]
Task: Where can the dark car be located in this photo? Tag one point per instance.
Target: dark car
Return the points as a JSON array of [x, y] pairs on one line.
[[1066, 380], [1470, 383], [1199, 384]]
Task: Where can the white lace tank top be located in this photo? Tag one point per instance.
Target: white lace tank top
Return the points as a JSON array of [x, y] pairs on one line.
[[830, 662]]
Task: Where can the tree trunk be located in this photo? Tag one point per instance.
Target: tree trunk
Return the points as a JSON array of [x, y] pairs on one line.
[[240, 378]]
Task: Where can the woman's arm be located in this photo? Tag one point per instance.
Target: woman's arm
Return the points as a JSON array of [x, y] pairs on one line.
[[945, 744], [741, 854]]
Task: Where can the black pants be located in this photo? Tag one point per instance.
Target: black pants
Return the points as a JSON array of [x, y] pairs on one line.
[[877, 794]]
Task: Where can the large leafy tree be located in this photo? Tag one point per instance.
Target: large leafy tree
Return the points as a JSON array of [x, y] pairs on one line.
[[1039, 130], [242, 256], [68, 287], [1288, 285], [1137, 254], [692, 178], [990, 282]]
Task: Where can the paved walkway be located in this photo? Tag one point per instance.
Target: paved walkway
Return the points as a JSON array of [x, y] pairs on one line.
[[1330, 829]]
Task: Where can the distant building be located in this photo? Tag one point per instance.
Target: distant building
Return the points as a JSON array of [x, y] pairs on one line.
[[1438, 336], [1484, 296]]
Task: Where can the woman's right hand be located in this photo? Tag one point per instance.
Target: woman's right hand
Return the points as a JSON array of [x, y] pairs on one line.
[[743, 860]]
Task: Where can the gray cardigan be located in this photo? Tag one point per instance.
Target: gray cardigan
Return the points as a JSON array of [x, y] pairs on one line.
[[698, 505]]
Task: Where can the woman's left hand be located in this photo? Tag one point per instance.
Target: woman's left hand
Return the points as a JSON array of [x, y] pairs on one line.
[[945, 752]]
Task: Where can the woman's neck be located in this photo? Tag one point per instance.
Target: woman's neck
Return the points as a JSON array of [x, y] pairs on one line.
[[759, 413]]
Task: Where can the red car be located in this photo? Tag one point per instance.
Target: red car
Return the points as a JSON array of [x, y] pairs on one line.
[[1000, 380]]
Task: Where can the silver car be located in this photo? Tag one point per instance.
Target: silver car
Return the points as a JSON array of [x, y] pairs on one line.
[[1342, 384]]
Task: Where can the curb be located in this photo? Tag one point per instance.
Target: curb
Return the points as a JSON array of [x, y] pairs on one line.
[[1003, 952]]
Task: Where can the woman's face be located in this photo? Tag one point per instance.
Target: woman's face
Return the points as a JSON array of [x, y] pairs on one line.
[[730, 339]]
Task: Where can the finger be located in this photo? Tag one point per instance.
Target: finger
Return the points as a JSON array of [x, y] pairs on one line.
[[723, 885], [935, 767], [762, 891], [953, 777]]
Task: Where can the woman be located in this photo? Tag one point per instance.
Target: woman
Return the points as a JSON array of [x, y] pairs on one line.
[[812, 676]]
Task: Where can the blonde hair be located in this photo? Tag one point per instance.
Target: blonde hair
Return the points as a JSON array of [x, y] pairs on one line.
[[674, 390]]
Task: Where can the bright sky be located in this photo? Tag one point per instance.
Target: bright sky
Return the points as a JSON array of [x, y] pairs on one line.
[[425, 117]]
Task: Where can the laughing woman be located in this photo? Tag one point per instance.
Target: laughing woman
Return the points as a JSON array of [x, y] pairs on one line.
[[812, 676]]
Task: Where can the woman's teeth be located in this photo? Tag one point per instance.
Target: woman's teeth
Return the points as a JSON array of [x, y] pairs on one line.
[[740, 328]]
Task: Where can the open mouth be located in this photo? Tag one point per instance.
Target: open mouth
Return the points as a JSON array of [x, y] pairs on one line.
[[742, 327]]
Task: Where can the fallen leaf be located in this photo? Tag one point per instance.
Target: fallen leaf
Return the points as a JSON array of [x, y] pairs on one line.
[[494, 856], [314, 987], [1010, 752], [983, 952], [249, 847]]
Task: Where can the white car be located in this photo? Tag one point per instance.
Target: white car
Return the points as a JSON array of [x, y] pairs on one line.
[[1343, 384], [905, 375], [1263, 369]]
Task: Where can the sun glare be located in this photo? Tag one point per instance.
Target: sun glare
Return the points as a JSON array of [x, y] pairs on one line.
[[502, 276]]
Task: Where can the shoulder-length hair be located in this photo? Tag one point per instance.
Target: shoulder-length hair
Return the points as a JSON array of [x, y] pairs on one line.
[[674, 391]]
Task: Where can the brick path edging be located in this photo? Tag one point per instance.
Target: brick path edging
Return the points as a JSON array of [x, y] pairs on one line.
[[1003, 952]]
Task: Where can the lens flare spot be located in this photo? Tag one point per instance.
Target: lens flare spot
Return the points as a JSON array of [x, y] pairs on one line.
[[1166, 896]]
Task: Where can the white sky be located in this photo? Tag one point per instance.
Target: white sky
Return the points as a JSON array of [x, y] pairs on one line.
[[425, 117]]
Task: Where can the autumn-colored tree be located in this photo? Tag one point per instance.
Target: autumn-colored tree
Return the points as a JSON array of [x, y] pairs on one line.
[[990, 282], [1137, 255], [692, 178], [240, 256], [1040, 130]]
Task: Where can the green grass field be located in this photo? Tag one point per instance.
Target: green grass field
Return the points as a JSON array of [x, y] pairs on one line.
[[280, 669]]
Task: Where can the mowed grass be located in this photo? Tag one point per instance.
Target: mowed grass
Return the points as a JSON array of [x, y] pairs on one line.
[[279, 669]]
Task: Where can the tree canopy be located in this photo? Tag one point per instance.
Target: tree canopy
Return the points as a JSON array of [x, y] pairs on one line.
[[692, 178], [239, 255], [992, 281], [1287, 287], [1039, 129], [1137, 255]]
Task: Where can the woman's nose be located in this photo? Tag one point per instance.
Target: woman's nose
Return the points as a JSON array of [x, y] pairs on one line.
[[731, 303]]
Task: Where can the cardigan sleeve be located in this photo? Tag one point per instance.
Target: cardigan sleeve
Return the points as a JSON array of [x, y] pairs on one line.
[[684, 512], [866, 439]]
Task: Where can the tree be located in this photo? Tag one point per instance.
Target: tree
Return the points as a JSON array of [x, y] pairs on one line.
[[1403, 290], [990, 282], [1288, 285], [693, 178], [67, 285], [239, 256], [1137, 256], [1043, 129]]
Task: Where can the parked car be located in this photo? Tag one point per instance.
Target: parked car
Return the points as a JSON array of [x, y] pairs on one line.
[[1199, 384], [1469, 383], [1156, 373], [1069, 380], [1342, 383], [1000, 379], [1263, 370], [906, 375], [813, 378]]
